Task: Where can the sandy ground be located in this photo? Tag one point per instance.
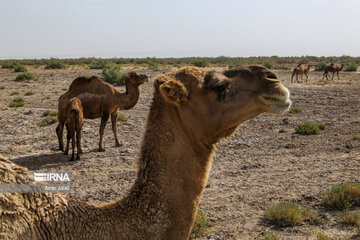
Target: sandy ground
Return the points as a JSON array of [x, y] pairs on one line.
[[263, 163]]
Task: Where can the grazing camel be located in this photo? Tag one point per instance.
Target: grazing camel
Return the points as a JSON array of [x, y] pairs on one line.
[[300, 70], [191, 110], [74, 119], [334, 69], [106, 100]]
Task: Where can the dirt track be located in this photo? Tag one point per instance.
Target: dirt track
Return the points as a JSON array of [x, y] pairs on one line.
[[263, 163]]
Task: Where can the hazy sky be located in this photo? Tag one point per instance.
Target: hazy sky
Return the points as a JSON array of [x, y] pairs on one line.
[[177, 28]]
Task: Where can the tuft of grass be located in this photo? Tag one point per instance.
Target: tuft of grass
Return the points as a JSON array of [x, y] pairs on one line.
[[46, 97], [200, 63], [17, 102], [122, 117], [25, 76], [112, 74], [342, 196], [14, 93], [55, 65], [20, 68], [322, 236], [270, 236], [285, 214], [29, 93], [48, 120], [50, 113], [201, 225], [295, 110], [356, 137], [64, 89], [2, 87], [309, 128], [350, 218]]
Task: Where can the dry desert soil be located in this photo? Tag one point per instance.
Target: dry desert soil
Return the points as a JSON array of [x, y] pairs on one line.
[[263, 163]]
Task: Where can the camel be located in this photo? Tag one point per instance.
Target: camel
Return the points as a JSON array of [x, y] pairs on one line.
[[301, 69], [191, 110], [334, 69], [74, 119], [111, 100]]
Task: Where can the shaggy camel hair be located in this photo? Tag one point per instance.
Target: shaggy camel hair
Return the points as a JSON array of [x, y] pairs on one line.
[[334, 69], [301, 69], [74, 121], [105, 100], [191, 110]]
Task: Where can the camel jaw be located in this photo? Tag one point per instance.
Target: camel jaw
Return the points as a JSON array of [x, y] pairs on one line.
[[276, 103]]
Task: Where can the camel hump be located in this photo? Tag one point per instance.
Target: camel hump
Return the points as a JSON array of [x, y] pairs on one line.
[[79, 81]]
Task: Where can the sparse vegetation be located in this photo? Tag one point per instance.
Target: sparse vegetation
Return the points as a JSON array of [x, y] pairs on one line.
[[46, 97], [17, 102], [122, 117], [153, 66], [29, 93], [351, 67], [285, 214], [321, 66], [98, 64], [25, 76], [64, 89], [55, 64], [350, 218], [112, 74], [295, 110], [269, 64], [50, 113], [2, 87], [309, 128], [322, 236], [14, 93], [342, 196], [200, 63], [356, 137], [48, 121], [270, 236], [201, 225], [20, 68]]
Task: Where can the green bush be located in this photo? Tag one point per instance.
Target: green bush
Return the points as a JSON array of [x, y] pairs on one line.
[[200, 63], [97, 64], [269, 64], [342, 196], [285, 214], [153, 66], [295, 110], [270, 236], [350, 218], [320, 66], [14, 93], [25, 76], [48, 120], [50, 113], [201, 225], [55, 65], [112, 74], [9, 65], [29, 93], [351, 67], [17, 102], [309, 128], [20, 68], [322, 236]]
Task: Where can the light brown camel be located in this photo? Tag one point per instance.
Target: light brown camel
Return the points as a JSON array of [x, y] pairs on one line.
[[74, 121], [191, 110], [334, 69], [111, 101], [301, 69]]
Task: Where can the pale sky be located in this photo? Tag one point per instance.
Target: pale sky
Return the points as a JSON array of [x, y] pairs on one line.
[[178, 28]]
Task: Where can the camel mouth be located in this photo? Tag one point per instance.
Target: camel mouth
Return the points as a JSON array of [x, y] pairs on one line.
[[277, 103]]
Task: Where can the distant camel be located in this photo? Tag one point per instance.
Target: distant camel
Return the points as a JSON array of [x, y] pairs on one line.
[[334, 69], [74, 120], [192, 109], [300, 70], [100, 100]]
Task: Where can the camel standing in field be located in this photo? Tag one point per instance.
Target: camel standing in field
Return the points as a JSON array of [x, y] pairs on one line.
[[191, 110], [301, 69], [334, 69], [100, 100], [74, 121]]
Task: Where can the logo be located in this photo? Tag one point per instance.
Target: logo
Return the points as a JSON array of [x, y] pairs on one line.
[[52, 177]]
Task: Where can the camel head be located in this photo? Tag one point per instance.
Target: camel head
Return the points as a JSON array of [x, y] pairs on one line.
[[212, 104], [137, 79]]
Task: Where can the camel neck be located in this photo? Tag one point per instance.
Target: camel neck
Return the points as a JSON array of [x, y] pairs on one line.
[[128, 99]]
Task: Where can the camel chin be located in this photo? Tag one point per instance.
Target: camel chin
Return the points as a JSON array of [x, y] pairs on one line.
[[276, 103]]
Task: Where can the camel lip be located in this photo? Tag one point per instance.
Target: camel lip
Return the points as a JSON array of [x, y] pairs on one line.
[[277, 103]]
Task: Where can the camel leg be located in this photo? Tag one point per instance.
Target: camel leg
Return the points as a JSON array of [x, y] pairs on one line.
[[78, 143], [292, 77], [113, 123], [338, 75], [59, 133], [79, 140], [68, 137], [72, 145], [333, 76], [306, 76], [104, 119]]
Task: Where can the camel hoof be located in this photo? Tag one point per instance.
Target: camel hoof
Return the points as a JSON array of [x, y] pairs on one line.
[[66, 153], [71, 159], [81, 151], [118, 144], [101, 149]]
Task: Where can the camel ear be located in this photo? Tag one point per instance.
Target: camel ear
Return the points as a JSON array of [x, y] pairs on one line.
[[174, 92], [217, 82]]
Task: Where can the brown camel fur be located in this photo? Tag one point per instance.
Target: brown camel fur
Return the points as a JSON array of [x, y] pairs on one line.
[[191, 110], [111, 101], [334, 69], [301, 70], [74, 120]]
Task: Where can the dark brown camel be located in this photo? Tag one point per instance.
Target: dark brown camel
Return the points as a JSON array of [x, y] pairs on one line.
[[334, 69]]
